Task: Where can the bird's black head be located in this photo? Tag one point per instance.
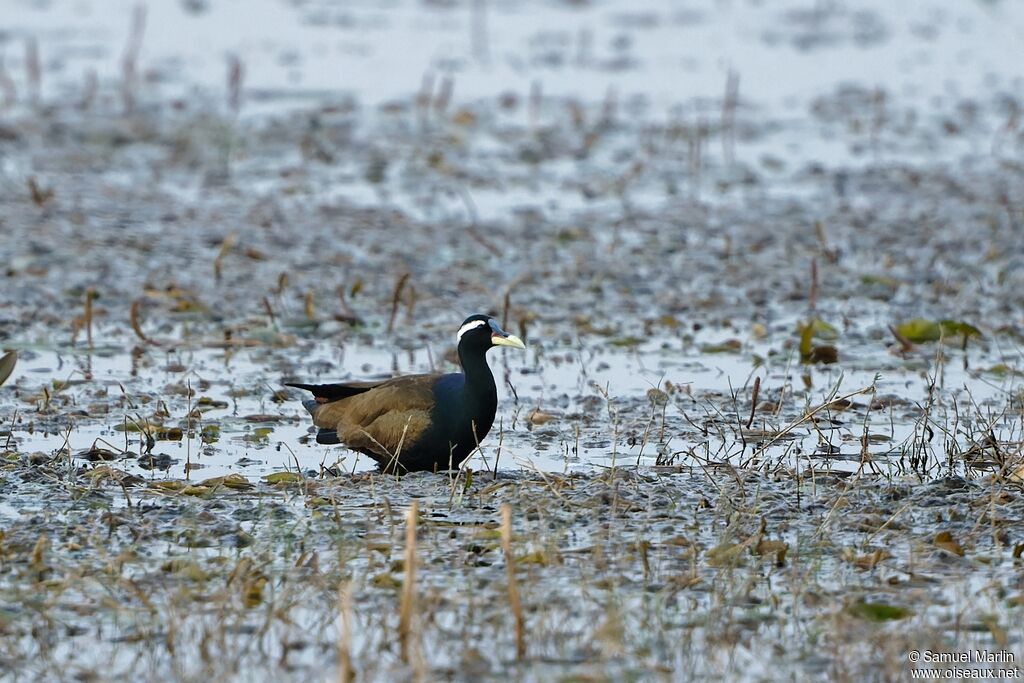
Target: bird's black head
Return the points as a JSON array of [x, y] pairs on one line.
[[481, 332]]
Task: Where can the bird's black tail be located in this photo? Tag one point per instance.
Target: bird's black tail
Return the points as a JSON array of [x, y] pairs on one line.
[[328, 437], [332, 392]]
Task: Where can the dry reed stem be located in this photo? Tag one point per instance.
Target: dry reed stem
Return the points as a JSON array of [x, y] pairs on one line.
[[407, 606], [133, 318], [308, 308], [87, 316], [812, 295], [345, 672], [513, 589], [225, 246], [395, 299], [753, 400]]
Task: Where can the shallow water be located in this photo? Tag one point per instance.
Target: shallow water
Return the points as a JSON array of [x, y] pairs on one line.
[[562, 406]]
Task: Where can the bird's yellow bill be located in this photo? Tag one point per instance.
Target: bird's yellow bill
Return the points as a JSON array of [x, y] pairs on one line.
[[511, 340]]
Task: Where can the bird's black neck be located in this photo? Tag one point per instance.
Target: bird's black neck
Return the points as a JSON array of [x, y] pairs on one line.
[[479, 380]]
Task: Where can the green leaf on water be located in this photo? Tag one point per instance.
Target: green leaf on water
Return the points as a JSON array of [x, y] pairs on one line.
[[7, 363], [283, 478], [878, 611], [823, 330], [260, 434], [1002, 370], [198, 490], [880, 280], [128, 427], [822, 353], [818, 329], [231, 481], [957, 328], [806, 333], [211, 433], [920, 330]]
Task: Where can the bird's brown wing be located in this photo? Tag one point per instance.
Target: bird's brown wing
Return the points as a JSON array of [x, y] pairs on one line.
[[384, 419]]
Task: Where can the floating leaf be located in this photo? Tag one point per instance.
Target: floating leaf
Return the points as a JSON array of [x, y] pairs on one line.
[[198, 490], [954, 328], [811, 353], [7, 363], [95, 453], [210, 433], [283, 478], [883, 281], [262, 417], [878, 611], [231, 481], [210, 404], [727, 346], [168, 485], [132, 426], [920, 330], [260, 434], [169, 434], [1002, 370], [823, 330], [237, 481]]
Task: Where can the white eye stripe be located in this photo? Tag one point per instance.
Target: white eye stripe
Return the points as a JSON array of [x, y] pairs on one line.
[[472, 325]]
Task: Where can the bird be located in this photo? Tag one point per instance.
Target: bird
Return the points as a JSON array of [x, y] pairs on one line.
[[430, 422]]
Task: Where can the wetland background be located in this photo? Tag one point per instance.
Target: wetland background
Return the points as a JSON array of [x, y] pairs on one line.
[[767, 258]]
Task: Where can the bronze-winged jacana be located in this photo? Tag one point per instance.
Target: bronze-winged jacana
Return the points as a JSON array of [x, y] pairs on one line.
[[417, 422]]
